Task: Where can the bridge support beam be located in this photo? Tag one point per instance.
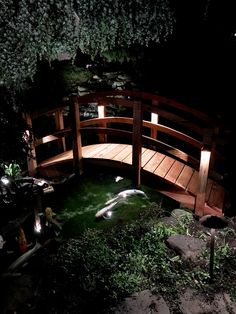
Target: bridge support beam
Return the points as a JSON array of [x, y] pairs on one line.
[[137, 143], [154, 119], [59, 121], [102, 114], [77, 145], [202, 182]]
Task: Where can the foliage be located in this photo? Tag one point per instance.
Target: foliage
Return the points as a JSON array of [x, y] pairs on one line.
[[36, 30], [12, 170], [30, 31], [105, 25], [13, 146], [104, 267]]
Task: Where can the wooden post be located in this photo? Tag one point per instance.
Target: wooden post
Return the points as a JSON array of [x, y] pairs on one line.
[[59, 121], [137, 143], [102, 114], [77, 146], [31, 158], [154, 119], [202, 181]]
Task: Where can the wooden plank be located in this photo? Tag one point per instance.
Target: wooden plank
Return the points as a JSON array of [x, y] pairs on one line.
[[146, 156], [76, 135], [216, 198], [97, 149], [184, 177], [103, 153], [86, 150], [128, 159], [164, 166], [193, 183], [124, 153], [174, 171], [154, 162], [208, 189], [57, 159], [203, 176], [115, 150], [59, 121], [137, 143]]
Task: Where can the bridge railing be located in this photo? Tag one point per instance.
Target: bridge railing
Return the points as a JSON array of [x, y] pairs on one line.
[[154, 121]]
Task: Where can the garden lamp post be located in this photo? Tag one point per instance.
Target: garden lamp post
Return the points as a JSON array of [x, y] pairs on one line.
[[213, 222]]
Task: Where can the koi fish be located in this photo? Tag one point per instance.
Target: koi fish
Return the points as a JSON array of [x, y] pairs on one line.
[[105, 209], [125, 194]]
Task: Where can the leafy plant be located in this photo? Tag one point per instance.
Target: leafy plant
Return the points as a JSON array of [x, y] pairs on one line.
[[13, 170]]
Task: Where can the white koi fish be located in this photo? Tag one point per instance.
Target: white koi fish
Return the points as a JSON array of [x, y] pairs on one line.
[[125, 194], [105, 209]]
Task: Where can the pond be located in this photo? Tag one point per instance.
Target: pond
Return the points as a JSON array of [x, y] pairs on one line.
[[77, 202]]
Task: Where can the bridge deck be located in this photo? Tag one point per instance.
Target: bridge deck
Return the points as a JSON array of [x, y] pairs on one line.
[[178, 174]]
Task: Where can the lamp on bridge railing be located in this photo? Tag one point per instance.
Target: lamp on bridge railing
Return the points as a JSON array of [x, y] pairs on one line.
[[205, 156], [202, 180]]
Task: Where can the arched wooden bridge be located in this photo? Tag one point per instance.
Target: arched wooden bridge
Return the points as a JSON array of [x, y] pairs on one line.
[[149, 135]]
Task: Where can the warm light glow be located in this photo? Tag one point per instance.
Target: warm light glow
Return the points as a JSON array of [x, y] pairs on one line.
[[5, 180], [205, 156], [101, 112], [37, 226], [154, 118]]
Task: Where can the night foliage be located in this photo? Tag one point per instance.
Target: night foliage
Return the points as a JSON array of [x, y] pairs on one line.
[[35, 30]]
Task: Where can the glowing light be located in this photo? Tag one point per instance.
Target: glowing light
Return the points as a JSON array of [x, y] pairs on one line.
[[205, 157], [154, 118], [101, 111], [5, 180], [107, 215], [41, 182], [37, 226]]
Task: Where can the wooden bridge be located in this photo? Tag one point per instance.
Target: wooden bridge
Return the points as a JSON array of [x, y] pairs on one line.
[[144, 133]]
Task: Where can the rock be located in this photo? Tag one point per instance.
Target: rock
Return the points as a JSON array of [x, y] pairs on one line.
[[188, 247], [117, 84], [124, 77], [181, 214], [144, 302], [171, 221], [192, 302]]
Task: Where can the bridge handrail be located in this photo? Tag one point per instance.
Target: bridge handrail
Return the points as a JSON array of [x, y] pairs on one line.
[[103, 95], [157, 127]]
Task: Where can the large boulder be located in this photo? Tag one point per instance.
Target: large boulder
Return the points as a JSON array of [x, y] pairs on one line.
[[188, 247], [144, 302], [192, 302]]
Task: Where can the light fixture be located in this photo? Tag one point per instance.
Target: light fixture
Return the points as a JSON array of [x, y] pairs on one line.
[[5, 180], [37, 225], [107, 215]]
